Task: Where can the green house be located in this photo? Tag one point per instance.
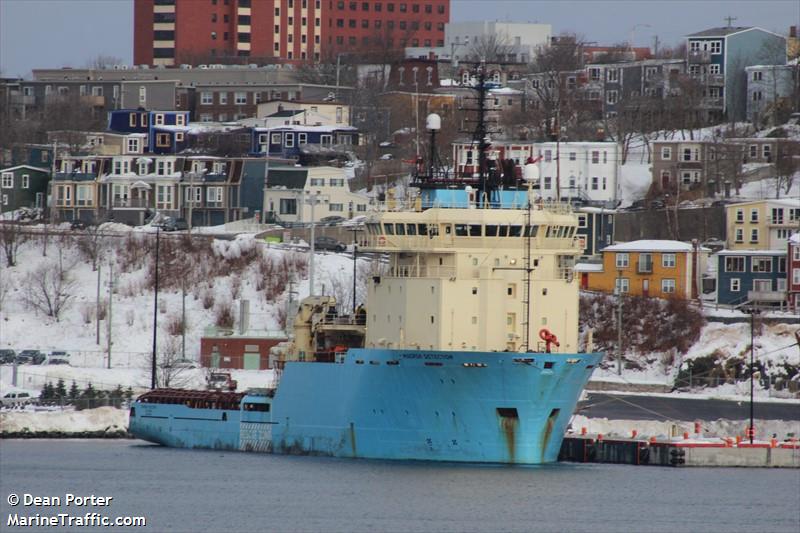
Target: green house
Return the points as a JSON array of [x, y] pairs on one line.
[[23, 186]]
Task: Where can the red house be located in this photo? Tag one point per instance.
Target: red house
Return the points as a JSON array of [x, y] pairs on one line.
[[793, 272]]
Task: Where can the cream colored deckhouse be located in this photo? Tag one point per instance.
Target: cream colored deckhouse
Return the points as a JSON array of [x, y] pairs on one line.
[[457, 279]]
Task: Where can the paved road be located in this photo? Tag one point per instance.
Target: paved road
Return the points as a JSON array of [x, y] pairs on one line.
[[630, 407]]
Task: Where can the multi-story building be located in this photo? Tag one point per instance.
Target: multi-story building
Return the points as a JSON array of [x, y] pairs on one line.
[[291, 141], [331, 113], [717, 59], [290, 192], [761, 224], [27, 97], [793, 272], [595, 229], [751, 277], [583, 171], [664, 269], [708, 167], [512, 42], [173, 32], [769, 90]]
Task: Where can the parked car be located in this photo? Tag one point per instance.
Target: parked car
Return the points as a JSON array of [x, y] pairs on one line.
[[323, 242], [15, 398], [657, 204], [331, 220], [58, 358], [7, 356], [175, 224], [32, 357], [77, 225], [221, 381]]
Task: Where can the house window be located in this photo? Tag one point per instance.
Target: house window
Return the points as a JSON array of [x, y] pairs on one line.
[[164, 196], [777, 216], [289, 140], [223, 97], [581, 221], [288, 206], [754, 235], [612, 97], [164, 167], [754, 215], [668, 286], [761, 264], [621, 285], [739, 235], [326, 139], [133, 146], [84, 195], [622, 260], [240, 98], [302, 138], [595, 182], [734, 263], [736, 284], [612, 74], [8, 180], [715, 47], [668, 260], [276, 138], [766, 151], [336, 207], [206, 98], [162, 140], [595, 156], [547, 181], [666, 153], [762, 285], [214, 195], [26, 181]]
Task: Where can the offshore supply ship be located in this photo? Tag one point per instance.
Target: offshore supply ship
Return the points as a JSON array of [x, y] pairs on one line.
[[467, 350]]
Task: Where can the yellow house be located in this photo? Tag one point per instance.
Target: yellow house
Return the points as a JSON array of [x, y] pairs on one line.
[[664, 269], [761, 224]]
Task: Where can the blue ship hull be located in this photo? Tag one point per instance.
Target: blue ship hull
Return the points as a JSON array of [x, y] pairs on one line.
[[493, 407]]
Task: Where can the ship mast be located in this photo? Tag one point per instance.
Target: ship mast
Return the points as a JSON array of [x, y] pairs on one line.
[[528, 271]]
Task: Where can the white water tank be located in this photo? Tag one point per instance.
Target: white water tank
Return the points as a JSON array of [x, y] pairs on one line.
[[433, 122]]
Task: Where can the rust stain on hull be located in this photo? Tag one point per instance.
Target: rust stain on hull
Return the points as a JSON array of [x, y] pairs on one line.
[[353, 440], [509, 429], [548, 430]]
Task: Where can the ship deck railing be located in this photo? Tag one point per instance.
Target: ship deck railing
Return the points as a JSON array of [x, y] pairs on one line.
[[426, 242], [417, 204]]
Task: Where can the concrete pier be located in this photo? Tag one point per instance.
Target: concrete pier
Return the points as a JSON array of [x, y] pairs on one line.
[[596, 449]]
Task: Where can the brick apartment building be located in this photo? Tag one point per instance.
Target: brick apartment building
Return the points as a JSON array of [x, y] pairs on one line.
[[174, 32]]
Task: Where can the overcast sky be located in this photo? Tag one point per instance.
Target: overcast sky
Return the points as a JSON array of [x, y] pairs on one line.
[[56, 33]]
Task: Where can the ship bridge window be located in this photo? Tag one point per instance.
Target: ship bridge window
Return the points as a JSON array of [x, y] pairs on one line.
[[389, 229], [491, 231], [422, 229], [549, 232], [411, 229], [474, 230], [461, 230], [531, 231], [448, 229], [503, 231], [261, 407], [515, 231], [400, 229]]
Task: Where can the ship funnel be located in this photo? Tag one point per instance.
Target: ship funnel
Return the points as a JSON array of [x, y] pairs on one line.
[[433, 122]]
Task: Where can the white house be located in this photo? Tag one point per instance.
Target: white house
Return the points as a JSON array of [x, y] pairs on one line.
[[291, 191]]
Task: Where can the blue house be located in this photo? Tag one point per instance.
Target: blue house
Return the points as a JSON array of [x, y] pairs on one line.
[[595, 229], [292, 140], [751, 277], [166, 130], [717, 58]]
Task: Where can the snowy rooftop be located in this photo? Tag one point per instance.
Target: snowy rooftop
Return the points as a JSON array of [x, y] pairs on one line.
[[751, 252], [302, 127], [779, 201], [651, 246], [588, 267]]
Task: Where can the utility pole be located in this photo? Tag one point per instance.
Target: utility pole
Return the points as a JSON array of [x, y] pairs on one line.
[[355, 256], [751, 430], [97, 305], [558, 147], [619, 323], [314, 198], [52, 205], [108, 313], [183, 319], [155, 316]]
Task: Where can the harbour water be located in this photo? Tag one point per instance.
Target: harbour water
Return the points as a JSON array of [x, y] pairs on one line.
[[186, 490]]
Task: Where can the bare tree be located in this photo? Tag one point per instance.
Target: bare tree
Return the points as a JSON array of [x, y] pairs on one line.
[[50, 287], [170, 372], [490, 49], [787, 163], [91, 243], [11, 237], [101, 61]]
